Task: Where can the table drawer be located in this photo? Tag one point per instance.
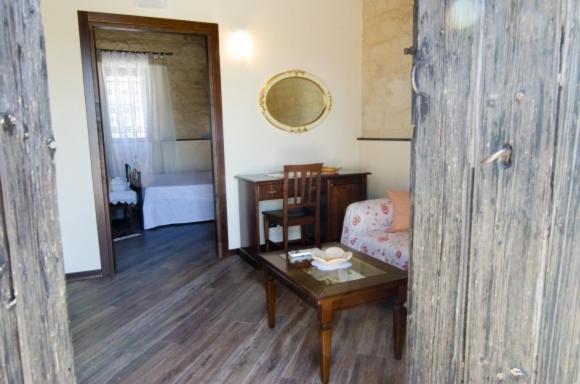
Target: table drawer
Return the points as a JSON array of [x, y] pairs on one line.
[[270, 191], [275, 191]]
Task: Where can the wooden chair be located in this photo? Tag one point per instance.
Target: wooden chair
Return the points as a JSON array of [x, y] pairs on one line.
[[134, 178], [130, 210], [301, 205]]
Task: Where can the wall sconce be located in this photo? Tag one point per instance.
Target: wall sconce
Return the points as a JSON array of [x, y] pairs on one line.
[[240, 46]]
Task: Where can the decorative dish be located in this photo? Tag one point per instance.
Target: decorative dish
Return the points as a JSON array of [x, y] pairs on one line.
[[329, 170], [332, 256]]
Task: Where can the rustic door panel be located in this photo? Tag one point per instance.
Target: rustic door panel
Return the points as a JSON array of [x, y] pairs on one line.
[[518, 100], [495, 267], [10, 363], [559, 350], [445, 70], [35, 345]]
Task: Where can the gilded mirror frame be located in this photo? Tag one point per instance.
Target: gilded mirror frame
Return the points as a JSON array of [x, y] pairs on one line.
[[325, 93]]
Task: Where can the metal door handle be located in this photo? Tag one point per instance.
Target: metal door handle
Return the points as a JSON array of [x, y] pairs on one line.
[[414, 78], [503, 156]]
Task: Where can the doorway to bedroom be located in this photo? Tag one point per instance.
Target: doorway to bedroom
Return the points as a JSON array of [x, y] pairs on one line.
[[157, 157]]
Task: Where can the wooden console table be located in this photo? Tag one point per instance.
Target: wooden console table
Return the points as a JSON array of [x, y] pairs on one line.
[[338, 191]]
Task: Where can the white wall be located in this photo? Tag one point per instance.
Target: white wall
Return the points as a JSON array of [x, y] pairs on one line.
[[390, 165], [322, 37]]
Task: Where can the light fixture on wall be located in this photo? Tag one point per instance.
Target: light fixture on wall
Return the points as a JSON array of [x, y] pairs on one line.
[[153, 4], [240, 46]]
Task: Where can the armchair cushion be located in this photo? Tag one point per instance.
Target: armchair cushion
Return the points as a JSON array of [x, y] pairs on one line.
[[367, 228], [366, 216], [401, 210]]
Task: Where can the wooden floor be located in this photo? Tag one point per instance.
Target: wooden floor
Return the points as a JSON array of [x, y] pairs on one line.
[[175, 314]]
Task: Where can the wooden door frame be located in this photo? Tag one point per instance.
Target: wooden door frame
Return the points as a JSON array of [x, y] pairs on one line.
[[88, 21]]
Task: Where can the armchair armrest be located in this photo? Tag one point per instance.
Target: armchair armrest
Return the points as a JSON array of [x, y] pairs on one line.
[[366, 216]]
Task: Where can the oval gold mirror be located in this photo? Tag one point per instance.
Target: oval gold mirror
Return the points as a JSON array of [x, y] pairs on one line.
[[295, 101]]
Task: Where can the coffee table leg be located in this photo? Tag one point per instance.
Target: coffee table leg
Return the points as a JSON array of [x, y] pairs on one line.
[[400, 322], [271, 300], [325, 316]]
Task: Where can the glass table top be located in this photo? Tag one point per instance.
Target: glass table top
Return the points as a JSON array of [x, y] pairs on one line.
[[364, 272], [359, 269]]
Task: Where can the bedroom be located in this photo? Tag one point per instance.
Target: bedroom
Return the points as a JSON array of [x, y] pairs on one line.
[[155, 113], [490, 168]]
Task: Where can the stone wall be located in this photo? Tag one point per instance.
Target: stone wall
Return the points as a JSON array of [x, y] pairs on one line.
[[386, 87], [187, 70]]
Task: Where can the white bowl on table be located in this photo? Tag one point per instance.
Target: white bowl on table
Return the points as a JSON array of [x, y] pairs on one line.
[[332, 256]]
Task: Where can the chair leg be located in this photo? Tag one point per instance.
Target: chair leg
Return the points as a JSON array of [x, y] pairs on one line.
[[128, 214], [141, 219], [285, 237], [317, 234], [267, 233]]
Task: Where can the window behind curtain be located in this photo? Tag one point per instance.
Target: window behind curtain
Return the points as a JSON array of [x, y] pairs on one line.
[[138, 123], [127, 103]]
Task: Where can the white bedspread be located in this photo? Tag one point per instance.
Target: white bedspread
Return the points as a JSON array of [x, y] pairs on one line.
[[123, 197], [178, 198]]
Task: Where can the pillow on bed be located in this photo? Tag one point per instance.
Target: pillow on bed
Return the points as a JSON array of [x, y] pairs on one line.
[[401, 212]]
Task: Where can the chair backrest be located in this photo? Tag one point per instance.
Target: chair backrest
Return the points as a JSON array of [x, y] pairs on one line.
[[134, 178], [302, 185], [127, 171]]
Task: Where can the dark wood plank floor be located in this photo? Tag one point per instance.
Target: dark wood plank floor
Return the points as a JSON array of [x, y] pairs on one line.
[[175, 314]]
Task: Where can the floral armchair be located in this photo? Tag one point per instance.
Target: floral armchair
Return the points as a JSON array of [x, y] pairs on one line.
[[367, 228]]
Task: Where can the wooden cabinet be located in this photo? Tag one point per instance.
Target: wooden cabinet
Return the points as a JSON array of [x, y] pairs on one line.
[[338, 191]]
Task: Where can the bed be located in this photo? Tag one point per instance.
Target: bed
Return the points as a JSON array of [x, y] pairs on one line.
[[177, 198]]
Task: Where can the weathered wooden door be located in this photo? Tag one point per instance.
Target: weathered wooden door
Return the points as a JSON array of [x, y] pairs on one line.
[[35, 344], [495, 269]]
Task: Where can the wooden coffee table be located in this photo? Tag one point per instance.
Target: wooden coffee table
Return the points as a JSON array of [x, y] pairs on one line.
[[367, 280]]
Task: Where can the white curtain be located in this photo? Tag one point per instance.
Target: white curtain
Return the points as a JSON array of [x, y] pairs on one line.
[[138, 124]]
